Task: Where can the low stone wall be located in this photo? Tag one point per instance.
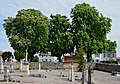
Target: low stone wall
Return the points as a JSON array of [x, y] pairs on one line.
[[107, 67], [45, 65]]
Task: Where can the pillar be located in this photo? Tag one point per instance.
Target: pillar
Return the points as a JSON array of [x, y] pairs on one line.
[[21, 65], [69, 72], [1, 65], [39, 66], [11, 65], [26, 69], [6, 74], [72, 73]]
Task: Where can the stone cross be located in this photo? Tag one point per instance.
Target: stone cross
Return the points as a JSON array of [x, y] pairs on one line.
[[1, 65]]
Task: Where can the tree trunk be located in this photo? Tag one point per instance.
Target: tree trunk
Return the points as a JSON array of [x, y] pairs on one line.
[[59, 58], [89, 74], [26, 55], [89, 56]]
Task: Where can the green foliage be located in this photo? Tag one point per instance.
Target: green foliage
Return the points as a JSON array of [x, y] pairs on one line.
[[80, 55], [90, 26], [110, 46], [35, 59], [60, 39], [19, 55], [27, 31], [6, 55]]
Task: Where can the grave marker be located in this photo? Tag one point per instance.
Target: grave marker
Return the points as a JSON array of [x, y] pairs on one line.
[[6, 74], [21, 65], [26, 69], [72, 73], [11, 65], [1, 65]]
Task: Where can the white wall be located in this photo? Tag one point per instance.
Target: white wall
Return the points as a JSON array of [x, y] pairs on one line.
[[48, 59]]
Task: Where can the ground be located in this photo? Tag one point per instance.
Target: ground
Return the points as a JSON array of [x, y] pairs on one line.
[[53, 77]]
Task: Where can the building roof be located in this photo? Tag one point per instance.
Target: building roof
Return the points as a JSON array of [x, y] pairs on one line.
[[70, 59]]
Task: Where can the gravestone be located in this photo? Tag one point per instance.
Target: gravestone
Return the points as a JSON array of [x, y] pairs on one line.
[[1, 65], [21, 65], [71, 76], [69, 72], [61, 66], [11, 65], [6, 74], [72, 73], [60, 73], [26, 69]]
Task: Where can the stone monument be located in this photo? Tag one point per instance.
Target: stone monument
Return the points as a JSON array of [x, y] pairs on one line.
[[26, 69], [72, 73], [1, 65], [39, 64], [21, 65], [11, 65], [6, 74], [26, 65], [69, 72], [71, 76]]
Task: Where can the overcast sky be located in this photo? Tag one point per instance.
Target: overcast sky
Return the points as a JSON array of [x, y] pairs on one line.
[[109, 8]]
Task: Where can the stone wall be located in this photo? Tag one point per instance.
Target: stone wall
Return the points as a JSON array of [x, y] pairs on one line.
[[46, 65], [107, 67]]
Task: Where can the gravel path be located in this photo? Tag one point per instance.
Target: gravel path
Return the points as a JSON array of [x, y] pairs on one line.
[[53, 77]]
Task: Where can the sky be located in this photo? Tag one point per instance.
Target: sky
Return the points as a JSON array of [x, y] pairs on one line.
[[109, 8]]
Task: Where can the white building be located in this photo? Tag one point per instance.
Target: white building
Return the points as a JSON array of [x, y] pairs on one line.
[[104, 57], [46, 57]]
